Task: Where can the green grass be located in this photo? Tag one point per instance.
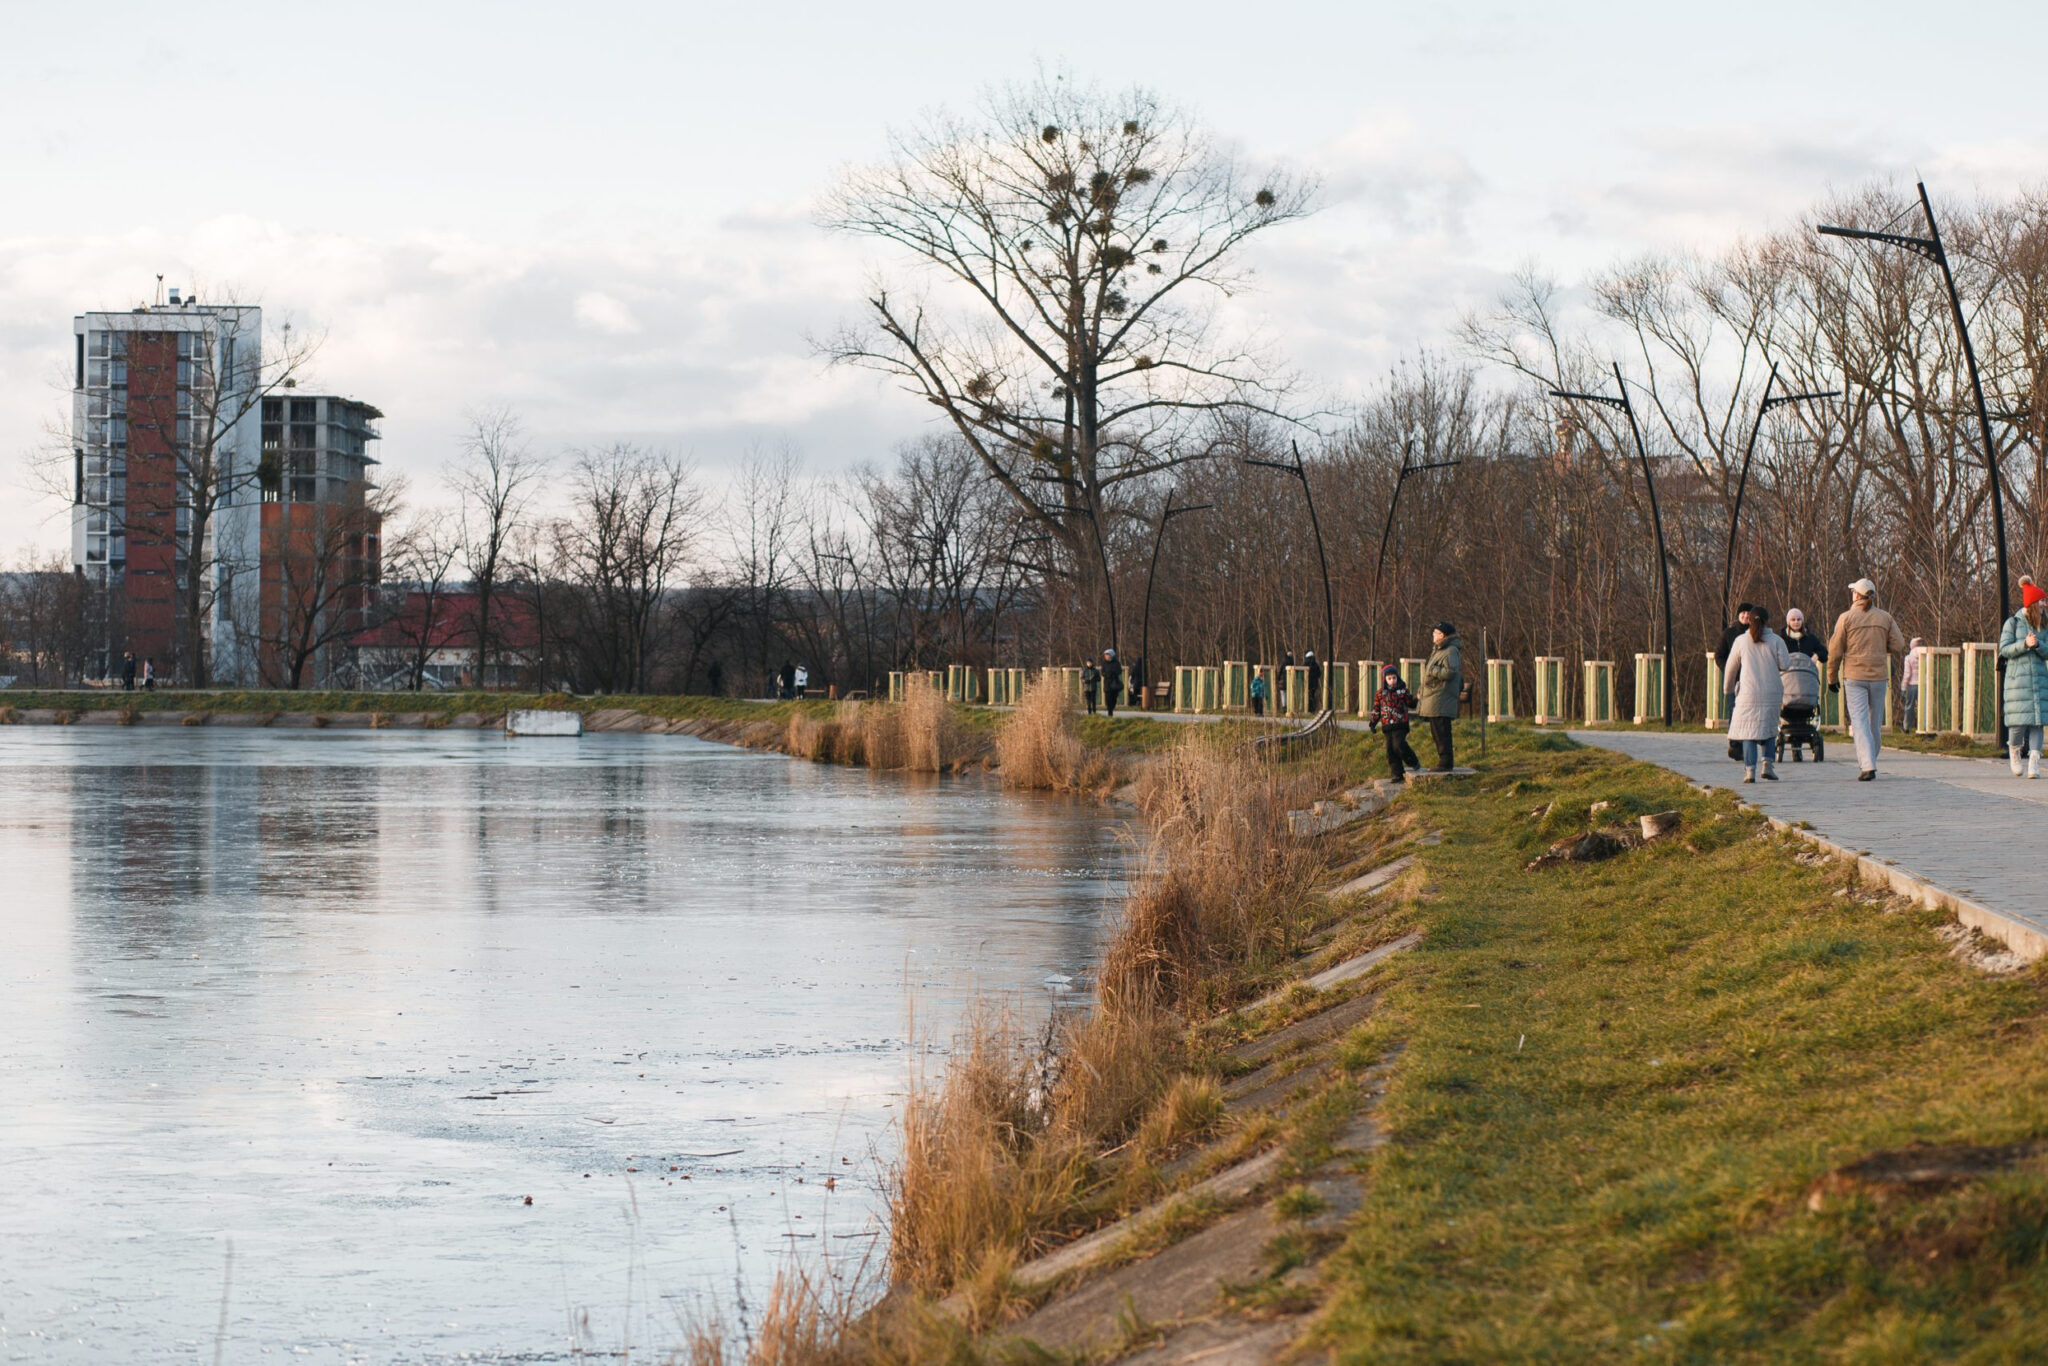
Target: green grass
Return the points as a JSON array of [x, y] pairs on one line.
[[1617, 1082]]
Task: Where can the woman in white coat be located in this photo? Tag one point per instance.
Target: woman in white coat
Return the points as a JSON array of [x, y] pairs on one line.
[[1754, 662]]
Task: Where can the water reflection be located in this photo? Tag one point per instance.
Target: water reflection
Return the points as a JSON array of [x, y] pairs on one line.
[[347, 999]]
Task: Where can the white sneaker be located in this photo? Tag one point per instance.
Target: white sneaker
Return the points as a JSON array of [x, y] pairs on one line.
[[1749, 775], [2014, 752], [2033, 765]]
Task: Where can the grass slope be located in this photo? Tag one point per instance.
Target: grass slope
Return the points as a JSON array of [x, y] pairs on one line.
[[1618, 1081]]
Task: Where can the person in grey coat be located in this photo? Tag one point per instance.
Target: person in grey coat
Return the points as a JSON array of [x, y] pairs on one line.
[[2023, 645], [1755, 659], [1443, 683]]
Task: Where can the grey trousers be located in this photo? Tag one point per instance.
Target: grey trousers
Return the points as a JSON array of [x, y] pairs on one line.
[[1866, 717]]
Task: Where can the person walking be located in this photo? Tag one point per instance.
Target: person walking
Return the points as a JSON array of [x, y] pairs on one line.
[[1315, 681], [1112, 682], [1801, 641], [1733, 633], [2023, 645], [1091, 685], [1859, 662], [128, 670], [1392, 705], [1755, 659], [149, 675], [1909, 687], [1258, 694], [1443, 681]]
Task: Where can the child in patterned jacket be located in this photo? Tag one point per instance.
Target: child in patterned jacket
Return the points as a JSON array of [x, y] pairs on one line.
[[1391, 707]]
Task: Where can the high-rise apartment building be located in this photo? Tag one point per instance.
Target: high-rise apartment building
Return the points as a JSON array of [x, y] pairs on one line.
[[322, 536], [164, 401], [174, 409]]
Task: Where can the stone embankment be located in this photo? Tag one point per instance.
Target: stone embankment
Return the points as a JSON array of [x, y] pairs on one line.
[[1225, 1266]]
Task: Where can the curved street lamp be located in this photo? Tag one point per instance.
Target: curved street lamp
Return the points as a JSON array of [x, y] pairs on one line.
[[1742, 483], [1387, 532], [1158, 538], [1329, 608], [1930, 247], [1627, 409]]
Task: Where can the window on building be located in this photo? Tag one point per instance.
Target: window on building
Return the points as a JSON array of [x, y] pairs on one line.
[[117, 374], [96, 344], [96, 550], [305, 410], [273, 410]]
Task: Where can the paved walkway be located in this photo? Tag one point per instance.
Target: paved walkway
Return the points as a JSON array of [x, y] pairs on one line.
[[1965, 825]]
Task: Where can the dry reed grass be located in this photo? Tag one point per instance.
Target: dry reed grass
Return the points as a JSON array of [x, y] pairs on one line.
[[930, 730], [1037, 747], [922, 733], [1003, 1150]]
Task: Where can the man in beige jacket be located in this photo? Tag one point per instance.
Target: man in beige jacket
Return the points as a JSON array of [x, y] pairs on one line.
[[1859, 661]]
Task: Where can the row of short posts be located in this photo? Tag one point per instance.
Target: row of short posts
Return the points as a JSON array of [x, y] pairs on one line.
[[1958, 689]]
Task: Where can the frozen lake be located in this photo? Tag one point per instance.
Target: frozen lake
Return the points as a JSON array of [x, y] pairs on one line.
[[343, 1001]]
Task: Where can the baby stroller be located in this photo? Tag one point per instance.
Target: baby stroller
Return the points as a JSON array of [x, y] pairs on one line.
[[1801, 680]]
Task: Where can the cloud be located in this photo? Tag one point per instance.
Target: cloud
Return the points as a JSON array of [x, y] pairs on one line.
[[603, 313]]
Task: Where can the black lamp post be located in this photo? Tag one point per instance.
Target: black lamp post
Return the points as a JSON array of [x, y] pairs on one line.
[[1145, 633], [1930, 247], [1323, 560], [1623, 406], [1735, 518], [1387, 532]]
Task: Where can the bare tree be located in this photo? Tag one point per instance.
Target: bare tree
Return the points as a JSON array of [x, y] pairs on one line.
[[321, 566], [494, 484], [1086, 237], [636, 517], [419, 568]]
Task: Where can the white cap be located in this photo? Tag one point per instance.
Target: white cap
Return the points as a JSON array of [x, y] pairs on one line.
[[1864, 587]]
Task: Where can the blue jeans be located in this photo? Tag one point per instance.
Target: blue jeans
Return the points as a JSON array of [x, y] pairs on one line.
[[1752, 748]]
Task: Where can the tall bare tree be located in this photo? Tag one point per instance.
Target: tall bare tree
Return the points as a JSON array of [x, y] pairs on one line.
[[419, 572], [1081, 240], [494, 484]]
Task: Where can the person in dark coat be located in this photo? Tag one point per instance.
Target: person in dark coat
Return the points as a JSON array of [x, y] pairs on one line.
[[786, 681], [1315, 681], [1112, 682], [128, 670], [1091, 686], [1443, 682], [1801, 641], [1728, 637]]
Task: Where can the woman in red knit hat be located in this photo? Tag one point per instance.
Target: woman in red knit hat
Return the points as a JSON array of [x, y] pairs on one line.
[[2023, 645]]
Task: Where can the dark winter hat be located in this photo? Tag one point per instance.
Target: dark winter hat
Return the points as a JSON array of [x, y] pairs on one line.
[[1744, 607], [1391, 671], [1447, 628]]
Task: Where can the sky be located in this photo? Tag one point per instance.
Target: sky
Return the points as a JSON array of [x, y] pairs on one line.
[[604, 215]]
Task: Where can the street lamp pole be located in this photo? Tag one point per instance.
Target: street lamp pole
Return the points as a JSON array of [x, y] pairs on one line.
[[1329, 601], [1151, 573], [1742, 483], [1930, 247], [1387, 532], [1627, 409]]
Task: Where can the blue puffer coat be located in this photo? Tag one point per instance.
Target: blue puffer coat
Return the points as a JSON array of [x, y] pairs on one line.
[[2026, 672]]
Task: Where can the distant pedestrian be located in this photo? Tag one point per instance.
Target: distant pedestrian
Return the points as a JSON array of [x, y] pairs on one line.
[[2023, 645], [1315, 682], [714, 678], [802, 679], [1859, 663], [1392, 705], [1284, 699], [1755, 659], [128, 670], [1443, 682], [1258, 694], [785, 681], [1909, 687], [1112, 682], [1091, 686], [149, 675]]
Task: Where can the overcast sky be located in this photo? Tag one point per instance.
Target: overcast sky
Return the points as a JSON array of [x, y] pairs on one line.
[[601, 214]]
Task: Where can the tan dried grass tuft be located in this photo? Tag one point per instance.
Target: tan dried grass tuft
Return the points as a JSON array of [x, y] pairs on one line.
[[1037, 747], [931, 731]]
